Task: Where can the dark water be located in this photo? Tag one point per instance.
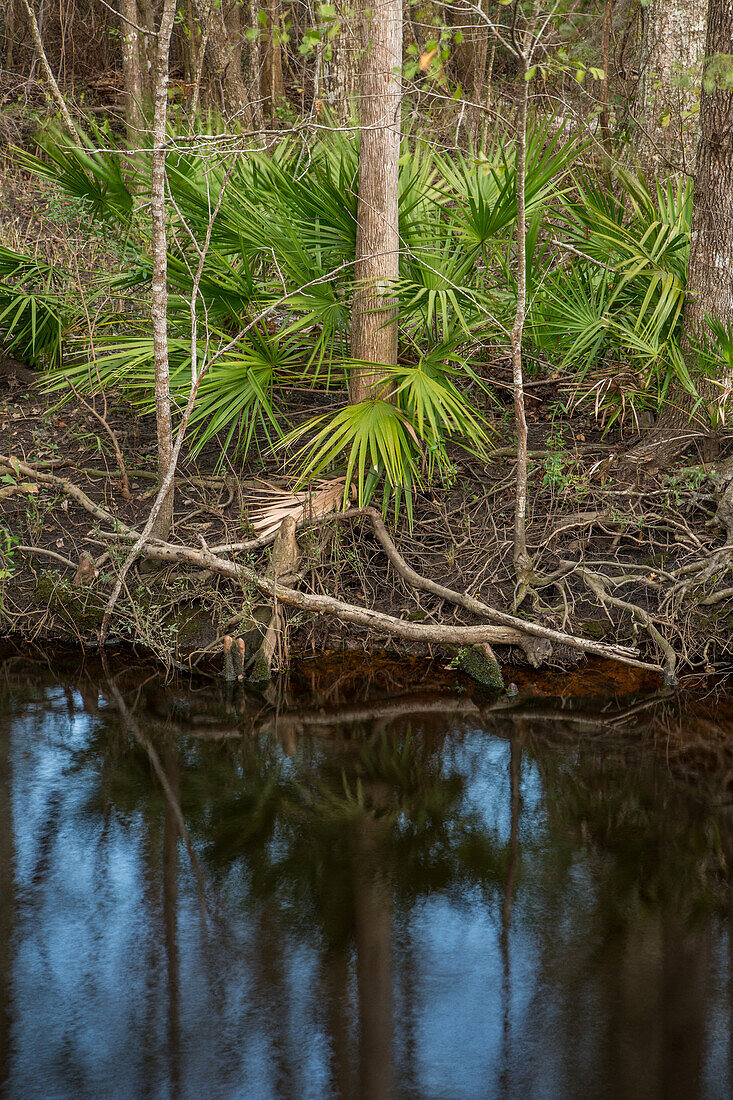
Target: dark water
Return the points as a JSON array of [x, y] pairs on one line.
[[377, 891]]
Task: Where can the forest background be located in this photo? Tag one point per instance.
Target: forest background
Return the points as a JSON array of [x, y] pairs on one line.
[[444, 286]]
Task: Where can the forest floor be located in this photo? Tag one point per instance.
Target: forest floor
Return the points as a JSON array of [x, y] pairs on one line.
[[592, 521]]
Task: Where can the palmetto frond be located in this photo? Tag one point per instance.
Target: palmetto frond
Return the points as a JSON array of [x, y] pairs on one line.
[[93, 172], [269, 504], [33, 314]]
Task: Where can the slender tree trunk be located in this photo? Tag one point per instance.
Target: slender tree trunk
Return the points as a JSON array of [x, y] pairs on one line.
[[522, 561], [192, 45], [47, 71], [159, 310], [132, 77], [252, 65], [374, 313], [671, 51], [10, 32], [606, 63]]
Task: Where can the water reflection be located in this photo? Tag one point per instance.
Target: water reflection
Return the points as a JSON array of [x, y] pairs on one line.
[[422, 895]]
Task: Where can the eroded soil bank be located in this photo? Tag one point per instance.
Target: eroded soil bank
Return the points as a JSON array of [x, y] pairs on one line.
[[623, 555]]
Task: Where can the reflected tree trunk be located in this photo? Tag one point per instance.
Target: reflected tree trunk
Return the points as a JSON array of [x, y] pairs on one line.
[[7, 896], [170, 914], [273, 990], [638, 1036], [373, 920], [515, 810], [687, 953], [338, 1015]]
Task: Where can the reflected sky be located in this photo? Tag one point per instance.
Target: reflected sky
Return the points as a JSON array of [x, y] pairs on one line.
[[429, 906]]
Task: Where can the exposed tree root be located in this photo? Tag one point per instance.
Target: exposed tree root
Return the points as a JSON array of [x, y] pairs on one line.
[[692, 570], [505, 630]]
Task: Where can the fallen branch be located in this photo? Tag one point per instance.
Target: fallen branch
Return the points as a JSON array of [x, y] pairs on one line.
[[69, 489], [48, 554], [510, 634]]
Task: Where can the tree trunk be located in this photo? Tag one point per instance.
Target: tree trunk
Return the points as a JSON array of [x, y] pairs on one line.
[[709, 285], [132, 78], [605, 62], [340, 68], [709, 282], [273, 84], [10, 34], [673, 36], [522, 561], [252, 65], [374, 313], [224, 61], [469, 62], [159, 308], [191, 45], [148, 46]]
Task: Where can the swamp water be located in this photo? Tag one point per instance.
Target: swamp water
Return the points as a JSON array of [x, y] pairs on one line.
[[371, 888]]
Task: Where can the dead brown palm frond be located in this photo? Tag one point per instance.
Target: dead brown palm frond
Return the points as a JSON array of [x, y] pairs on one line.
[[616, 391], [268, 506]]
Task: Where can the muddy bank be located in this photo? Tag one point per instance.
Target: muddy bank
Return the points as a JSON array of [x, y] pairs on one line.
[[620, 558]]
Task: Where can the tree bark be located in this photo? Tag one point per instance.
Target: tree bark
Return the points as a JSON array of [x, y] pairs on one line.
[[709, 284], [374, 313], [273, 84], [224, 62], [132, 78], [340, 69], [522, 560], [159, 308], [709, 281], [673, 37]]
